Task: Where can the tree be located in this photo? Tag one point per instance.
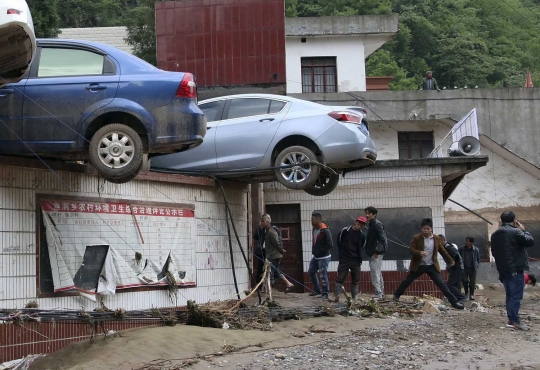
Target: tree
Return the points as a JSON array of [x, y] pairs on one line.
[[45, 17], [141, 28]]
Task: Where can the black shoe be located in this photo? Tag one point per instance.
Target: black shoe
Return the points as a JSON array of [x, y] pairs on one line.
[[395, 298], [471, 297], [462, 300], [324, 296], [458, 306], [314, 294]]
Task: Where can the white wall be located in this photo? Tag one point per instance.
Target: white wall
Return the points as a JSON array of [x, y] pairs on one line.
[[18, 253], [403, 187], [489, 190], [351, 67]]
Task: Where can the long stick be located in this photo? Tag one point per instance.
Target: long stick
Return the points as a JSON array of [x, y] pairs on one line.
[[263, 280]]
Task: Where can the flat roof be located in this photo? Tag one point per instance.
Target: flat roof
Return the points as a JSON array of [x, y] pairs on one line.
[[355, 25]]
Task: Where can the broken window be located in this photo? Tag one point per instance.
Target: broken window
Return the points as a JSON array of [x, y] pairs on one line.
[[415, 145], [319, 75]]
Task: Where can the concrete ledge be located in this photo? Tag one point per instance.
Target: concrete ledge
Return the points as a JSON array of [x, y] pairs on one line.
[[341, 25], [480, 160]]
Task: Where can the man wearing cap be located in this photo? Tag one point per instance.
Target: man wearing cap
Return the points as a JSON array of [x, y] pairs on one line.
[[350, 242]]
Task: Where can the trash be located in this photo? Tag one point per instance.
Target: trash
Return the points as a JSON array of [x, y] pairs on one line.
[[479, 287], [374, 352], [430, 307], [280, 356], [225, 326], [477, 307]]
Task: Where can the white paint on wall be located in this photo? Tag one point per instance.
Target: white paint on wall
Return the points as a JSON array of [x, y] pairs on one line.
[[18, 252], [350, 60]]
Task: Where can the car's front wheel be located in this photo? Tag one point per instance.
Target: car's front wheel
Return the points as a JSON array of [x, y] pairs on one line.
[[325, 184], [296, 167], [116, 152]]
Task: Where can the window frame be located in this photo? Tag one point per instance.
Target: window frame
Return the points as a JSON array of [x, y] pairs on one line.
[[422, 156], [219, 113], [312, 67], [109, 65], [225, 115]]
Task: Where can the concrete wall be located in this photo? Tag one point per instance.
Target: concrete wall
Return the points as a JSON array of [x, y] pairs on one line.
[[114, 36], [18, 252], [508, 116], [350, 60]]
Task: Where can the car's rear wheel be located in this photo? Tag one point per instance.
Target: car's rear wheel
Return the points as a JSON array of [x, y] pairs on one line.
[[325, 184], [116, 152], [296, 168]]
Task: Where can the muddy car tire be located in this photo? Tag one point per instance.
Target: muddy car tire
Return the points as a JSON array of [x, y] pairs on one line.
[[325, 184], [116, 152], [303, 174]]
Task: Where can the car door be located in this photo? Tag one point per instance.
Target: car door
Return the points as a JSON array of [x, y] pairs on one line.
[[67, 84], [202, 157], [246, 131], [11, 123]]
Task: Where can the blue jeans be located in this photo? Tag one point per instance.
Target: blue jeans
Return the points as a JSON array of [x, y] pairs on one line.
[[514, 284], [319, 265]]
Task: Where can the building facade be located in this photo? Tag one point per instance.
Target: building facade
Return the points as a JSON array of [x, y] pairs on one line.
[[62, 231]]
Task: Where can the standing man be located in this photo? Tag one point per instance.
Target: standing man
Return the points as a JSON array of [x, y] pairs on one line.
[[424, 248], [350, 241], [471, 261], [430, 83], [321, 247], [508, 248], [376, 245], [274, 252], [259, 250], [454, 272]]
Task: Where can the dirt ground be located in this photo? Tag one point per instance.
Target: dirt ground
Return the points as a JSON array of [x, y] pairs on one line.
[[448, 340]]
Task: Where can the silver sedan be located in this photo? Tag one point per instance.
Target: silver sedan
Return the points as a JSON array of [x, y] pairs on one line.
[[261, 137]]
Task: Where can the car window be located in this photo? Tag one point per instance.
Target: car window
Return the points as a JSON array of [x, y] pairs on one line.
[[248, 107], [276, 106], [57, 62], [210, 110]]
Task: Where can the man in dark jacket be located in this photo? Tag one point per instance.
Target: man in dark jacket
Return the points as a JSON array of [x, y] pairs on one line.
[[321, 247], [429, 83], [259, 248], [424, 249], [454, 272], [376, 245], [471, 261], [508, 248], [350, 242]]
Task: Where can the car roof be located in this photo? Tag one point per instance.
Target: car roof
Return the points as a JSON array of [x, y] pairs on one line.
[[264, 96]]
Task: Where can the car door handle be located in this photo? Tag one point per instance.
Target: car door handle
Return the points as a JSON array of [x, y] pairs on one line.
[[95, 87], [266, 120], [6, 92]]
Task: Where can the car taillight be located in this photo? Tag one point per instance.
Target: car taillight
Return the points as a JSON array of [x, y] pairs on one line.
[[14, 11], [346, 117], [187, 88]]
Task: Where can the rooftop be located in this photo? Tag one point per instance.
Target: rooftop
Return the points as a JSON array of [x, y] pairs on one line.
[[341, 25]]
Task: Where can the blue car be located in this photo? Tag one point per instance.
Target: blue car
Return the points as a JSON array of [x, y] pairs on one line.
[[88, 101]]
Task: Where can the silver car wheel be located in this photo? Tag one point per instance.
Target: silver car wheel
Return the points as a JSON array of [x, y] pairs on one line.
[[298, 167], [116, 149]]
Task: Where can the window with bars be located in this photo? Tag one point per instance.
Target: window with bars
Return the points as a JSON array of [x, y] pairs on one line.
[[319, 75], [415, 145]]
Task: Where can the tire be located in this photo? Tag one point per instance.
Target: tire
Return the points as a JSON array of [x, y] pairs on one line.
[[119, 160], [309, 173], [325, 184]]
